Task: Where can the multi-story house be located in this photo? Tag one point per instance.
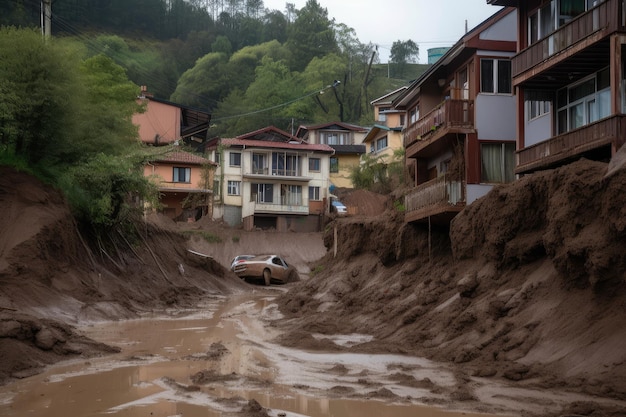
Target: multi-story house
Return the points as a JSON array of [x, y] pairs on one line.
[[346, 140], [385, 137], [459, 136], [569, 79], [185, 179], [270, 179], [185, 182]]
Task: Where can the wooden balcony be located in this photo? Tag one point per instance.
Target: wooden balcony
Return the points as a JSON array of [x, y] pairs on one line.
[[569, 39], [439, 199], [451, 116], [561, 148]]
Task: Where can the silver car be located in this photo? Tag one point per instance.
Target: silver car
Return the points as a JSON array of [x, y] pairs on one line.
[[267, 267]]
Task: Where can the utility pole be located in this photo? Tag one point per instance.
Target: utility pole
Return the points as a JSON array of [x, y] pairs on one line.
[[46, 18]]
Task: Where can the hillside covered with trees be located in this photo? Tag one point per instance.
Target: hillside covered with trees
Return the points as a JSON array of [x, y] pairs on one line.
[[248, 65]]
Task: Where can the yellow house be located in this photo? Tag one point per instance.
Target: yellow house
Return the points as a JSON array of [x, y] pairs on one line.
[[185, 184], [385, 137], [347, 142]]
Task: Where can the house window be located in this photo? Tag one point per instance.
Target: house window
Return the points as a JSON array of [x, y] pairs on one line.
[[334, 164], [217, 191], [555, 14], [234, 187], [259, 164], [497, 162], [217, 157], [182, 174], [378, 145], [414, 115], [235, 159], [262, 193], [285, 164], [314, 164], [314, 194], [584, 102], [495, 76], [382, 116], [335, 138], [537, 108], [291, 195]]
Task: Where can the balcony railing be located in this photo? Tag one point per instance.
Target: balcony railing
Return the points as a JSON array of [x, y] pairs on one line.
[[280, 208], [438, 192], [603, 17], [611, 130], [448, 114]]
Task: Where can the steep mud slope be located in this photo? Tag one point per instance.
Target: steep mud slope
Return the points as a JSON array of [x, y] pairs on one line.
[[528, 284], [51, 278]]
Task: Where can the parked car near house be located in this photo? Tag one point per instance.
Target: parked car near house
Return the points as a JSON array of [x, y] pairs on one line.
[[339, 208], [239, 258], [268, 267]]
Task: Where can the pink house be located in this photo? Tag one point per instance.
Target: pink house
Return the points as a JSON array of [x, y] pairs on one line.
[[185, 182]]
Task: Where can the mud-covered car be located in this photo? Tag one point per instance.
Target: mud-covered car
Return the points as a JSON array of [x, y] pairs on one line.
[[239, 258], [268, 267]]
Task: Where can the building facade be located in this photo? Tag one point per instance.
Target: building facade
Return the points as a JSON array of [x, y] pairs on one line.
[[347, 142], [569, 79], [459, 134], [269, 179]]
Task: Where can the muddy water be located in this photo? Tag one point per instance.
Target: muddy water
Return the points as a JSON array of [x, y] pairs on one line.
[[226, 344]]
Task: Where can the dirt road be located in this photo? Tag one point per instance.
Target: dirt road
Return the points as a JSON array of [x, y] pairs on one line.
[[215, 359]]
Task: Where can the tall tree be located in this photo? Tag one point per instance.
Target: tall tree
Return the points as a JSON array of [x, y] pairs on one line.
[[402, 53], [311, 35], [38, 83]]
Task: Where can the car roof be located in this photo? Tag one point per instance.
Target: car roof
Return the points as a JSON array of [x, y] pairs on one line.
[[338, 203]]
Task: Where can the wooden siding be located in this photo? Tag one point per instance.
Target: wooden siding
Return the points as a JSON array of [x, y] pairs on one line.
[[611, 130], [601, 20], [438, 197]]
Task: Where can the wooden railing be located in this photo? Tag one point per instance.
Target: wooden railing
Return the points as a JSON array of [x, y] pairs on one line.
[[441, 190], [604, 16], [611, 130], [449, 113]]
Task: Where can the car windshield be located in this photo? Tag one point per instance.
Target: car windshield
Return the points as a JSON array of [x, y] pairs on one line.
[[262, 257]]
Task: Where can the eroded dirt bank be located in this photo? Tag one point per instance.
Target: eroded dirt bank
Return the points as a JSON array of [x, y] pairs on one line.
[[50, 278], [526, 287]]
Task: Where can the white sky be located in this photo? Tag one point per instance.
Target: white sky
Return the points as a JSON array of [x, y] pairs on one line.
[[428, 23]]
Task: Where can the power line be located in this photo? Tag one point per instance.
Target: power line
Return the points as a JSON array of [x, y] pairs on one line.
[[333, 85]]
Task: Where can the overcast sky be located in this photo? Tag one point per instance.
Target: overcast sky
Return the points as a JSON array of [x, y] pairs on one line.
[[429, 23]]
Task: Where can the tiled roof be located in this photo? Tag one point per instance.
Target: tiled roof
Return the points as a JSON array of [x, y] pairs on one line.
[[277, 145], [184, 157]]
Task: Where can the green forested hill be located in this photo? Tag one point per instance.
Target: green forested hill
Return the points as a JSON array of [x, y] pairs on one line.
[[248, 65]]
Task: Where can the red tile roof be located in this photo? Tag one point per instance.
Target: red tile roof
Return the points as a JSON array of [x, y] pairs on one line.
[[277, 145], [184, 157]]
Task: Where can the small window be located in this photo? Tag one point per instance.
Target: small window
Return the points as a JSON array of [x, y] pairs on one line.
[[334, 164], [536, 108], [314, 164], [235, 159], [314, 194], [495, 76], [497, 162], [381, 144], [234, 187], [182, 174]]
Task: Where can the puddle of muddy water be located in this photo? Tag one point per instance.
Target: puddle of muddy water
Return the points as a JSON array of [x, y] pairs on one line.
[[227, 352]]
